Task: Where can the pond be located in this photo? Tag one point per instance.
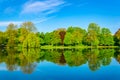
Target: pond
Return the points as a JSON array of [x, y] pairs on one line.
[[60, 64]]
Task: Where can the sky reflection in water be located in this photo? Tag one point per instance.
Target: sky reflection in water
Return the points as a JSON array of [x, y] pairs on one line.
[[60, 65]]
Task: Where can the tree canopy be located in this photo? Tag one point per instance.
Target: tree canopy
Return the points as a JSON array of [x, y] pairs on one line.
[[26, 35]]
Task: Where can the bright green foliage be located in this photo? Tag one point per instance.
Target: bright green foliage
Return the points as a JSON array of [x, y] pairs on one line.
[[92, 38], [31, 41], [68, 39], [106, 38], [94, 27], [76, 36], [73, 36], [3, 38], [42, 37], [48, 38], [117, 37], [56, 38]]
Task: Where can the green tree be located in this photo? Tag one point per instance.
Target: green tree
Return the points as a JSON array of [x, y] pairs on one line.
[[92, 37], [117, 38], [48, 38], [25, 29], [11, 33], [76, 36], [31, 41], [68, 39], [106, 38], [56, 38], [3, 39], [42, 37], [94, 27]]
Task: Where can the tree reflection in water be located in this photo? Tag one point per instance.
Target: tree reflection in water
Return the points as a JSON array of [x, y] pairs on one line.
[[27, 59]]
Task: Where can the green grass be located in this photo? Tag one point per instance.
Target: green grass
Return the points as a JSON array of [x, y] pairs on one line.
[[75, 47]]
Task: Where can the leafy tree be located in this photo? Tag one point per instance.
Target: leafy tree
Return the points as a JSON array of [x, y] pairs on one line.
[[77, 35], [31, 41], [68, 39], [25, 29], [56, 38], [92, 35], [117, 37], [94, 27], [29, 26], [106, 37], [91, 39], [42, 37], [3, 39], [48, 38], [11, 33], [62, 33]]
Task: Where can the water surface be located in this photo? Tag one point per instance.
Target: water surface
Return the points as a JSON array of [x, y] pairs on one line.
[[72, 64]]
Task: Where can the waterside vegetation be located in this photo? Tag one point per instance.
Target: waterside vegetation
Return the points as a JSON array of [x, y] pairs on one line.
[[27, 36]]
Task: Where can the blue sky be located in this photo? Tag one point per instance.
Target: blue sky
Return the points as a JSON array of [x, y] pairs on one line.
[[48, 15]]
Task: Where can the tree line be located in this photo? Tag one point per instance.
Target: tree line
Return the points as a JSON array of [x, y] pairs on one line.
[[27, 36]]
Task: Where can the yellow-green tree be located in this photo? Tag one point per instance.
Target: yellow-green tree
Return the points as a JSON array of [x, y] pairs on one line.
[[92, 37], [11, 33], [25, 29], [31, 41]]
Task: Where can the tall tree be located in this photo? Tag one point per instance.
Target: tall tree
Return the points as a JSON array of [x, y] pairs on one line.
[[25, 29], [93, 34]]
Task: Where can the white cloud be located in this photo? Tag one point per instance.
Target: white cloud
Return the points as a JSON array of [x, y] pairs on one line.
[[46, 6], [40, 20], [6, 23], [35, 21]]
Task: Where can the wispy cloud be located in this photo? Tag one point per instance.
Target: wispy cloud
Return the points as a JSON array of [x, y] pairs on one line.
[[36, 11], [40, 20], [35, 21], [6, 23], [46, 6]]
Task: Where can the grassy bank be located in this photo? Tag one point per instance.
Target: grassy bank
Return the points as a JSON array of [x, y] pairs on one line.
[[75, 47]]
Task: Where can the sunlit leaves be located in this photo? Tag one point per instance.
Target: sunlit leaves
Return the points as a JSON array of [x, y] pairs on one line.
[[31, 41]]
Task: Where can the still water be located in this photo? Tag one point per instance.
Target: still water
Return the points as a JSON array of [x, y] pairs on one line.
[[72, 64]]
